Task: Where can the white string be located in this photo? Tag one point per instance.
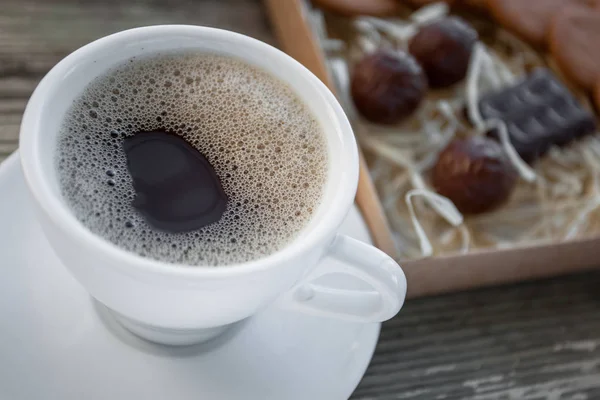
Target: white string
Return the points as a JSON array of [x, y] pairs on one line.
[[441, 204], [400, 32], [524, 170], [490, 70], [473, 73], [466, 239], [430, 13], [478, 59], [367, 29]]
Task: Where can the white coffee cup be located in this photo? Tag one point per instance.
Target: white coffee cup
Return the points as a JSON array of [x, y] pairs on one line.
[[176, 304]]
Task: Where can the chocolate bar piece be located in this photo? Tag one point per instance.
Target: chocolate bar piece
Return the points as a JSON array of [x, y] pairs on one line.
[[539, 112]]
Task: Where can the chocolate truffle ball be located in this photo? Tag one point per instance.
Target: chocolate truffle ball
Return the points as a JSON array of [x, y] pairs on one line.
[[443, 48], [475, 174], [387, 86]]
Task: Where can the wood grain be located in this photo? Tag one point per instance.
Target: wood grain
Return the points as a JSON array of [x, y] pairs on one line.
[[537, 341], [36, 34]]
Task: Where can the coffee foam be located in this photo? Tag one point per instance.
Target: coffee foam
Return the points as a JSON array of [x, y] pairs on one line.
[[264, 143]]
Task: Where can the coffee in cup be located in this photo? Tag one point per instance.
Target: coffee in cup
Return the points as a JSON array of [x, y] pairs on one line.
[[192, 158]]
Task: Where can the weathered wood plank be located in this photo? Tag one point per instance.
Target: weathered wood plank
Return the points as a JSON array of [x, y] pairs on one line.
[[36, 34], [530, 341]]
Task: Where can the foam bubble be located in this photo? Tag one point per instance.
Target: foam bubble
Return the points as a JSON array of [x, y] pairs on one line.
[[265, 145]]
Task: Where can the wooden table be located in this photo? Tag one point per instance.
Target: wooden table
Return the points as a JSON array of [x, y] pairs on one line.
[[531, 341]]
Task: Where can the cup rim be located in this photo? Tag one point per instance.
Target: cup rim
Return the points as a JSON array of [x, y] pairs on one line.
[[55, 209]]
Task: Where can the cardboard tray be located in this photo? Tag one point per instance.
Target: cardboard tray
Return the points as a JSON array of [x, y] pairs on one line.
[[434, 275]]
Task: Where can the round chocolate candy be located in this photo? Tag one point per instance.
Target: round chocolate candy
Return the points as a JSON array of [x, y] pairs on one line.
[[443, 48], [475, 174], [387, 86]]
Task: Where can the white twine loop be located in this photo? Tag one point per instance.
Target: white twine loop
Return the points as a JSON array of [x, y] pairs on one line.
[[524, 170], [442, 205], [430, 13], [478, 59]]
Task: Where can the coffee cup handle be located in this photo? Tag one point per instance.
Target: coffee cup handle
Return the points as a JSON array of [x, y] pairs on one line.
[[385, 278]]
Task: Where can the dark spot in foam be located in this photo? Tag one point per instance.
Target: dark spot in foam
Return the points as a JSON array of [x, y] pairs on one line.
[[176, 188]]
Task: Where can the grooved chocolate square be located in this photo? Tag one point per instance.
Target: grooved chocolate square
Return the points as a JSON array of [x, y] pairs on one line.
[[539, 112]]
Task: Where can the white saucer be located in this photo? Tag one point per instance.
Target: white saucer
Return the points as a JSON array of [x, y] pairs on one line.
[[57, 343]]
